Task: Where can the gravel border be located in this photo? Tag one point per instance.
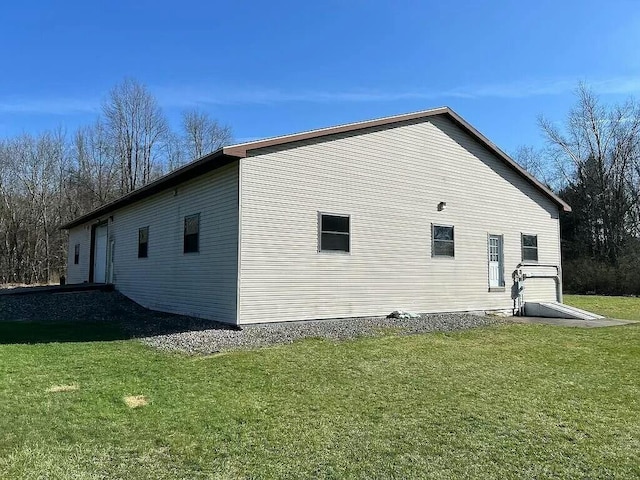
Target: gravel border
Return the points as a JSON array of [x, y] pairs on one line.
[[216, 340], [196, 336]]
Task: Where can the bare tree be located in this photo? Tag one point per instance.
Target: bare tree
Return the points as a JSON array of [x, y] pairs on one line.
[[93, 176], [136, 127], [203, 134], [31, 207], [175, 152], [597, 154], [535, 162], [47, 180]]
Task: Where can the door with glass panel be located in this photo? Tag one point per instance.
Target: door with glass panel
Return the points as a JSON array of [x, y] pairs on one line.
[[496, 275]]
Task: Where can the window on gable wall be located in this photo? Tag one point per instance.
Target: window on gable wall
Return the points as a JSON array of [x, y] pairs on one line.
[[334, 233], [443, 244], [529, 248], [76, 254]]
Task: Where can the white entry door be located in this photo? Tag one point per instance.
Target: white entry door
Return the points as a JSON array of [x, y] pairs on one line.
[[495, 261], [100, 255]]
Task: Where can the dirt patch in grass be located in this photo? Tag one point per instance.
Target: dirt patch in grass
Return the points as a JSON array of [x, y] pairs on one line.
[[136, 401], [63, 388]]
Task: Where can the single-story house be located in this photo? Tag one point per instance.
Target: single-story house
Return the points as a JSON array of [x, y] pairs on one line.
[[418, 212]]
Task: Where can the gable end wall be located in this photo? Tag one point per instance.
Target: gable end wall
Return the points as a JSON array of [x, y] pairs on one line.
[[390, 181]]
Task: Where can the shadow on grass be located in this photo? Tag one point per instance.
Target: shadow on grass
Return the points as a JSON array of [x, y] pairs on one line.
[[37, 332], [57, 332]]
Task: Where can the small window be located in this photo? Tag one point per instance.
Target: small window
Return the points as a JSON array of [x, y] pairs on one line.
[[529, 248], [192, 233], [76, 254], [334, 233], [443, 242], [143, 242]]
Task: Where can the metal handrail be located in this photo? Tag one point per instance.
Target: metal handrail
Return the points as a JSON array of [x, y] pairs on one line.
[[544, 265], [519, 277]]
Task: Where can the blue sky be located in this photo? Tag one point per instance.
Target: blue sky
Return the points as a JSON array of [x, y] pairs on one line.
[[270, 68]]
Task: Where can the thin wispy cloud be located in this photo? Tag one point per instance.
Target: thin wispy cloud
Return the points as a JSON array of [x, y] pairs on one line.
[[48, 106], [191, 96], [185, 96], [180, 97]]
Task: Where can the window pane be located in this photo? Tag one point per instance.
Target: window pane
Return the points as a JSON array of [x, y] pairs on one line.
[[333, 223], [443, 249], [334, 242], [191, 243], [442, 233], [191, 233], [443, 245], [143, 241], [191, 224], [529, 240], [530, 254], [530, 248], [143, 235]]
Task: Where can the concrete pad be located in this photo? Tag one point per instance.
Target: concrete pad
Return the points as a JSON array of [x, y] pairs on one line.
[[71, 287], [569, 322], [558, 310]]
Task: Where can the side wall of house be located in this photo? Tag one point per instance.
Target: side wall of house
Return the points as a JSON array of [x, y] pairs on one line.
[[79, 273], [390, 181], [202, 284]]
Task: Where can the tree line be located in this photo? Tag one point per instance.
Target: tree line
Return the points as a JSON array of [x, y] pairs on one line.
[[48, 179], [593, 162]]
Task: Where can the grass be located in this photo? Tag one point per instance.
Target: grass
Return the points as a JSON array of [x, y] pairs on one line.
[[513, 401], [622, 308]]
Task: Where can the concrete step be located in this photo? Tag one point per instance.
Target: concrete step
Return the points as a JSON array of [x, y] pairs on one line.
[[557, 310]]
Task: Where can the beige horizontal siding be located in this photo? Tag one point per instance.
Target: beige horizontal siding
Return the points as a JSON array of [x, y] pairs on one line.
[[199, 284], [202, 284], [390, 181]]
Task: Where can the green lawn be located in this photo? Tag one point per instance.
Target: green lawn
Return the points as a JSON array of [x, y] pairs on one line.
[[512, 401], [623, 308]]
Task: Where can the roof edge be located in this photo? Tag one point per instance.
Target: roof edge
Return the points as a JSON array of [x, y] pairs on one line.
[[508, 160], [241, 150], [187, 172]]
